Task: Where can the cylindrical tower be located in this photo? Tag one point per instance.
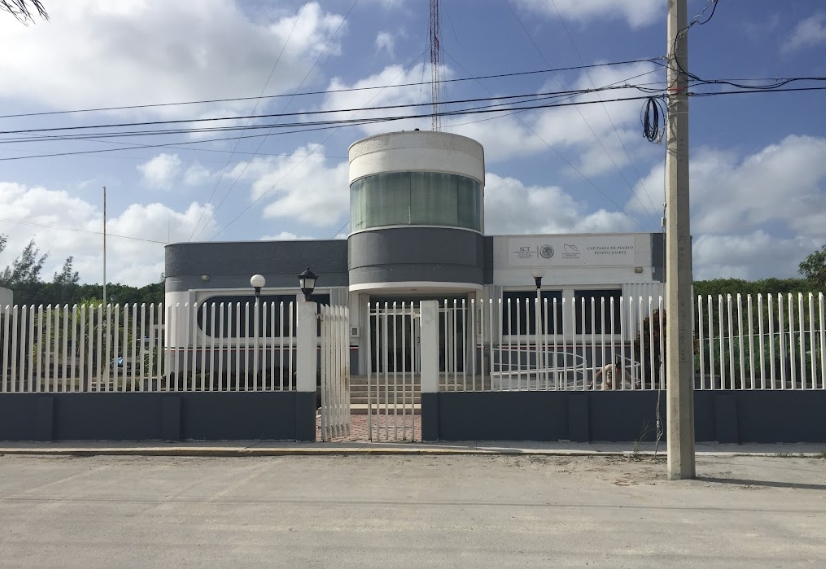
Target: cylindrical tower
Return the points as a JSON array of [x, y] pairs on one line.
[[416, 212]]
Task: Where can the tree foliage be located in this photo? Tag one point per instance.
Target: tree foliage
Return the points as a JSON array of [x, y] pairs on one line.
[[23, 276], [813, 268], [24, 10], [25, 270]]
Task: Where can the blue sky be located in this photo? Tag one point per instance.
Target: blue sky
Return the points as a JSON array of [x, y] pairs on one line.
[[758, 180]]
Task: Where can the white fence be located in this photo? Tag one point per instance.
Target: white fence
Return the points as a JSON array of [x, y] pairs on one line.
[[741, 342], [215, 347], [335, 372], [393, 368]]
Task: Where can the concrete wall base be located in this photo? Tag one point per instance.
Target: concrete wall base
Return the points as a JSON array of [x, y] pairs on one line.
[[720, 416], [158, 416]]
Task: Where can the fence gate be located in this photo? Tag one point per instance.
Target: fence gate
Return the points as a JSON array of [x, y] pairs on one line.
[[335, 372], [393, 372]]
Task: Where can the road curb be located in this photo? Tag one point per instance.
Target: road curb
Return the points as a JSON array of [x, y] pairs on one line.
[[240, 452]]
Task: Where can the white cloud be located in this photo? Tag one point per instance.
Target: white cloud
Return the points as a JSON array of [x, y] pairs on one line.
[[774, 200], [196, 175], [284, 236], [513, 208], [388, 4], [161, 171], [387, 43], [130, 261], [752, 255], [301, 186], [637, 13], [808, 33], [99, 52], [384, 96], [597, 135]]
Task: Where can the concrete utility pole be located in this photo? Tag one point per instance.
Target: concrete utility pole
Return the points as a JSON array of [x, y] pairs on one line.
[[104, 245], [679, 349]]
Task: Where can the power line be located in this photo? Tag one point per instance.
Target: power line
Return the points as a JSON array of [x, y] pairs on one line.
[[79, 230], [254, 108], [290, 100], [560, 156], [328, 125], [302, 113], [579, 112], [334, 91], [275, 185], [607, 114]]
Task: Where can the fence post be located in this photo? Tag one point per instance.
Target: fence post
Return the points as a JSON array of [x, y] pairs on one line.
[[430, 370], [306, 369]]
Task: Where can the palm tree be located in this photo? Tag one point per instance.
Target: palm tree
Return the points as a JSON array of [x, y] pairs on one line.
[[24, 10]]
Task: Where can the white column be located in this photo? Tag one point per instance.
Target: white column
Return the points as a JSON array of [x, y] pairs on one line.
[[306, 345], [430, 346]]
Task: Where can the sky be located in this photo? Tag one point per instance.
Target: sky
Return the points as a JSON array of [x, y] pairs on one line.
[[758, 161]]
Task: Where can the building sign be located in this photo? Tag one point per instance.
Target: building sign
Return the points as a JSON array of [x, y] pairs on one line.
[[613, 251]]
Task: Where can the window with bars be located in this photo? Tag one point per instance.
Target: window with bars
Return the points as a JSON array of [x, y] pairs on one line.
[[594, 312], [519, 312], [239, 315]]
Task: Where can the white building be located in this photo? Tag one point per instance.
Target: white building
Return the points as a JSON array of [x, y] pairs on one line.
[[417, 232]]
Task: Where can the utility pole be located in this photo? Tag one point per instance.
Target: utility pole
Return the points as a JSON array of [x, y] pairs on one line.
[[435, 56], [679, 350], [104, 245]]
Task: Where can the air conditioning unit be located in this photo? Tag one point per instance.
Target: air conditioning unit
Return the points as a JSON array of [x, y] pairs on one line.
[[354, 331]]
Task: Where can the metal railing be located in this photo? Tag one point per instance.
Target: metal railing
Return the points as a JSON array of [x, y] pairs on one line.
[[741, 342], [335, 372], [139, 347], [393, 367]]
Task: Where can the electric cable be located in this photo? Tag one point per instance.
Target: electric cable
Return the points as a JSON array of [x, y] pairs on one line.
[[657, 60]]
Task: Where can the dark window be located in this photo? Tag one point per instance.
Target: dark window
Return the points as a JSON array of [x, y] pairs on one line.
[[519, 312], [239, 315], [597, 311]]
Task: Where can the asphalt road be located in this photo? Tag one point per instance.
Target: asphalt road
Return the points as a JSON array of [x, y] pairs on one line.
[[409, 511]]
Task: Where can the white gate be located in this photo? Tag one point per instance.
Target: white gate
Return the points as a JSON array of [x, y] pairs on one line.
[[393, 372], [335, 372]]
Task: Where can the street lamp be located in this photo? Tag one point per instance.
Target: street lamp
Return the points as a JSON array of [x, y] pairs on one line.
[[306, 281], [537, 275], [257, 282]]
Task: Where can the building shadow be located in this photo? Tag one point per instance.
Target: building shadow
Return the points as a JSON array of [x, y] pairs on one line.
[[763, 483]]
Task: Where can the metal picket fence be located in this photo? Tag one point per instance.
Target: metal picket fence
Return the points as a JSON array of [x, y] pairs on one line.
[[139, 347], [741, 342]]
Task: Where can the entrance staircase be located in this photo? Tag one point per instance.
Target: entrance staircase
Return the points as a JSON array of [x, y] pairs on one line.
[[397, 392]]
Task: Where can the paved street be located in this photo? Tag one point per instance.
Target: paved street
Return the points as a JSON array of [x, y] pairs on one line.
[[409, 511]]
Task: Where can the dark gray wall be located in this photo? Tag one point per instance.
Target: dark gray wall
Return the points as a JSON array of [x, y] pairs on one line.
[[158, 416], [487, 268], [720, 416], [416, 254], [658, 256], [230, 265]]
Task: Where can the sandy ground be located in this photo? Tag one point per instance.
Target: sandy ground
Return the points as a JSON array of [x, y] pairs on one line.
[[410, 511]]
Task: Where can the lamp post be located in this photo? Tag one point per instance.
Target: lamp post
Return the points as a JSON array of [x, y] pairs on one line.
[[257, 282], [537, 275], [306, 282]]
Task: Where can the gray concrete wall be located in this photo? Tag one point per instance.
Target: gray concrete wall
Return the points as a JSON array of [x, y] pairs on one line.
[[158, 416], [720, 416], [416, 254], [230, 265]]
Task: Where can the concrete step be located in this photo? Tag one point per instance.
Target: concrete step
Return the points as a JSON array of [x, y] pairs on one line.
[[361, 409]]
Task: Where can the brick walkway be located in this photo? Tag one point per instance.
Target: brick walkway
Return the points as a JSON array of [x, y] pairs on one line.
[[390, 429]]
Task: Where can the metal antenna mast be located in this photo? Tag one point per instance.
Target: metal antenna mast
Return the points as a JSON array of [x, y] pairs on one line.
[[435, 49]]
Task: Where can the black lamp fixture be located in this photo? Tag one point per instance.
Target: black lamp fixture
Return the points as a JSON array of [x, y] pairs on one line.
[[257, 282], [537, 275], [306, 281]]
